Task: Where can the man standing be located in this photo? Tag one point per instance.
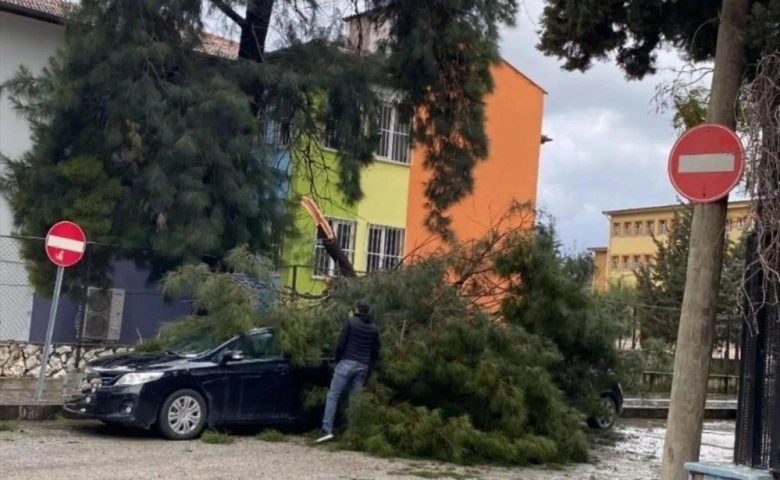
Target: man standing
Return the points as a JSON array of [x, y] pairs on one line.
[[356, 354]]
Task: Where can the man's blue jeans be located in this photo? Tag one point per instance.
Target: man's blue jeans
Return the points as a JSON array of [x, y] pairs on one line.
[[348, 372]]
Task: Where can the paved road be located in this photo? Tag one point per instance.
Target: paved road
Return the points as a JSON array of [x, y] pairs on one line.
[[86, 451]]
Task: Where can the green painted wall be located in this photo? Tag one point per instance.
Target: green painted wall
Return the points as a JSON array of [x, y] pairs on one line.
[[298, 249], [386, 188]]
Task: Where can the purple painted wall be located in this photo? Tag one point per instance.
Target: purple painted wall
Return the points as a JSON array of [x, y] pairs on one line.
[[145, 309]]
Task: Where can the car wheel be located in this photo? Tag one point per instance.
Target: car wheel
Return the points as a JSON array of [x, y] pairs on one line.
[[183, 415], [607, 415]]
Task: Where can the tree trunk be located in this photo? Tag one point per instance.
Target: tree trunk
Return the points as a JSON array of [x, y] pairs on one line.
[[254, 34], [334, 251], [255, 30], [697, 321]]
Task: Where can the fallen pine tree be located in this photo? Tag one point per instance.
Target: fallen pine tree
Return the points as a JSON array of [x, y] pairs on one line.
[[453, 383]]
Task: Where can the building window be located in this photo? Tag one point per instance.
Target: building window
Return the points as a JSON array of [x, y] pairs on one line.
[[385, 247], [335, 135], [616, 229], [627, 229], [345, 233], [651, 227], [662, 227], [394, 142], [276, 132], [638, 228], [395, 135], [614, 262], [637, 261], [648, 259], [626, 264], [741, 223]]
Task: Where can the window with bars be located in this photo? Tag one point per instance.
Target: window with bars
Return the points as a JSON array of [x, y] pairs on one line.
[[334, 135], [394, 142], [345, 234], [385, 247], [275, 132]]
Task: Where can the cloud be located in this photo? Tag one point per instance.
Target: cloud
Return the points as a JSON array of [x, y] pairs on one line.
[[610, 145]]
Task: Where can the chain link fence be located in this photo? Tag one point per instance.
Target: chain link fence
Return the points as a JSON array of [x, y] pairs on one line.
[[104, 301]]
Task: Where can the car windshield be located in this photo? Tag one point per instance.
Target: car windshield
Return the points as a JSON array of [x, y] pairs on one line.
[[190, 347]]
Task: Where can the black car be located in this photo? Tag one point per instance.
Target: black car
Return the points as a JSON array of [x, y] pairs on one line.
[[611, 407], [243, 381]]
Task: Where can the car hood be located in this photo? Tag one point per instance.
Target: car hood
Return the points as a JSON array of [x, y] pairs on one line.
[[138, 361]]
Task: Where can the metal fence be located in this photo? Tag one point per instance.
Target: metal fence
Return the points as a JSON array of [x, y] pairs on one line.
[[307, 280], [758, 422], [104, 301]]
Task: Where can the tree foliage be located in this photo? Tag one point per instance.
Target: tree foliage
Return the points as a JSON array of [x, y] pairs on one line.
[[660, 285], [632, 32], [453, 382], [172, 137]]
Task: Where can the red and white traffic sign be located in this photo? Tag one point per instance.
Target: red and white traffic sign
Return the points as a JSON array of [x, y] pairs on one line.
[[706, 163], [65, 244]]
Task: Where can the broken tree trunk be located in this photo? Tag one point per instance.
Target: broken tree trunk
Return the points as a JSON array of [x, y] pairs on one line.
[[328, 238], [705, 260]]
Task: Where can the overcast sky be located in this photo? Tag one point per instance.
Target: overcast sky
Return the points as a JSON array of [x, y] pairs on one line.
[[610, 146]]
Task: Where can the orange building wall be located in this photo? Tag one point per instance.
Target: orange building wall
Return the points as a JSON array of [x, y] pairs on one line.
[[514, 127]]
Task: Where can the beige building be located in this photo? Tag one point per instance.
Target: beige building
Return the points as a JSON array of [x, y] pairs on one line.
[[631, 244]]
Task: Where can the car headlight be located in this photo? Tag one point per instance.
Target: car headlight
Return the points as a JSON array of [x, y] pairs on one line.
[[138, 378]]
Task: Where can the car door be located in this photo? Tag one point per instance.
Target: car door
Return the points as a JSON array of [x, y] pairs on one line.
[[260, 384]]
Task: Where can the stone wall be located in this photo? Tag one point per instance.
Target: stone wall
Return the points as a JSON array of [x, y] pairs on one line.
[[24, 359]]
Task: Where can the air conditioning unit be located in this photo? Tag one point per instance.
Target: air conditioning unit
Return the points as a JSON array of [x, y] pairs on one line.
[[103, 314]]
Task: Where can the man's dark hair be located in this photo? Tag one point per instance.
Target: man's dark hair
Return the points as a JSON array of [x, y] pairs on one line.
[[362, 307]]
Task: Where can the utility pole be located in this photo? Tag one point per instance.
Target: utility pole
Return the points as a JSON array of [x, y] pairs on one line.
[[705, 260]]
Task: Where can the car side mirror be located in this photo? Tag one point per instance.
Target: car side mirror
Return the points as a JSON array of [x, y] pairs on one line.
[[231, 356]]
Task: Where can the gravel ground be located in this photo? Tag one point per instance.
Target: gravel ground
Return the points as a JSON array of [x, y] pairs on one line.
[[65, 450]]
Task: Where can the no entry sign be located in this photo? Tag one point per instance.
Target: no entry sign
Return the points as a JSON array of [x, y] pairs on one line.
[[65, 244], [706, 163]]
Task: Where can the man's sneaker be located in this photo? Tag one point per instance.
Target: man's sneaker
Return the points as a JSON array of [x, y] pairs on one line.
[[324, 436]]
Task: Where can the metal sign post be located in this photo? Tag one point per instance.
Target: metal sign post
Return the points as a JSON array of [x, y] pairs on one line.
[[55, 300], [65, 245]]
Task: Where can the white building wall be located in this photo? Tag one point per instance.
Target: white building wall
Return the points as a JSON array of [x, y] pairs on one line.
[[28, 42]]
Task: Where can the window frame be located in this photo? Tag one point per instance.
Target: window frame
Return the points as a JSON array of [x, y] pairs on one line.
[[243, 340], [387, 99], [395, 131], [332, 268], [650, 227], [382, 256], [615, 262]]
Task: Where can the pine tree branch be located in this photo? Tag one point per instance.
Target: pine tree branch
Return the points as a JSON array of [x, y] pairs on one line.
[[227, 10]]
